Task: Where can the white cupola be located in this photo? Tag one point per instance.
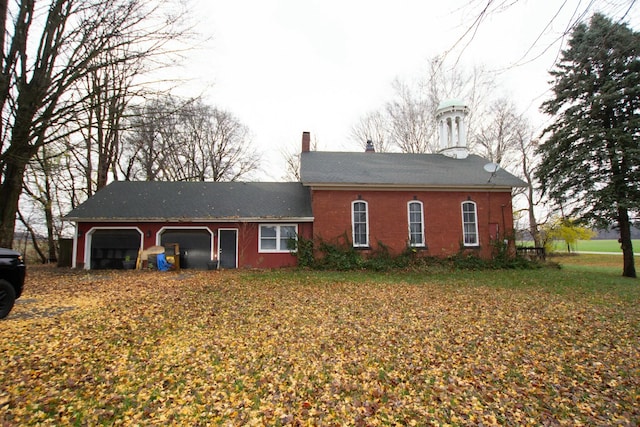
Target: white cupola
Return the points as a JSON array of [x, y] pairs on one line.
[[451, 117]]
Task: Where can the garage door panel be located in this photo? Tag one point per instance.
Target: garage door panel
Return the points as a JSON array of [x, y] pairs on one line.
[[109, 248], [195, 247]]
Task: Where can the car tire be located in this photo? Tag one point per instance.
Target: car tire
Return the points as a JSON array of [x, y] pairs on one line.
[[7, 298]]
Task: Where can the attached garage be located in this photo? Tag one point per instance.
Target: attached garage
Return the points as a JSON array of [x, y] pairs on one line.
[[196, 245], [208, 221], [110, 247]]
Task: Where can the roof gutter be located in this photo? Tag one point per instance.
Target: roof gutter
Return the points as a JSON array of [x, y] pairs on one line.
[[396, 187], [210, 220]]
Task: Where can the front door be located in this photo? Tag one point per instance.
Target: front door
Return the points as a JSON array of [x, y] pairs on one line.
[[228, 248]]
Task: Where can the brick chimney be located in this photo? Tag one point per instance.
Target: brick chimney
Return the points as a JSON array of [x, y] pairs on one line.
[[306, 142]]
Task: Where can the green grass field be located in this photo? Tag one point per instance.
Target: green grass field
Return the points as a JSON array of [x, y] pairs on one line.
[[594, 246]]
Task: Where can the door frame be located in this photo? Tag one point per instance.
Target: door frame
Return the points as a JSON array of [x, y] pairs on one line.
[[219, 245]]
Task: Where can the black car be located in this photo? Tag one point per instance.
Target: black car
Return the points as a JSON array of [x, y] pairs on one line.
[[12, 274]]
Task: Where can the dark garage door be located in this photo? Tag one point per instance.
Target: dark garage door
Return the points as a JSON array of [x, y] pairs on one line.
[[109, 248], [195, 247]]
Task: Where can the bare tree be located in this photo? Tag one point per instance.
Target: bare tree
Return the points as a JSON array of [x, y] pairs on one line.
[[500, 134], [474, 86], [49, 48], [106, 93], [187, 140], [153, 131], [292, 165], [75, 171], [411, 124], [292, 159], [40, 187], [547, 37], [527, 149], [373, 127], [33, 234], [218, 144], [407, 122], [505, 137]]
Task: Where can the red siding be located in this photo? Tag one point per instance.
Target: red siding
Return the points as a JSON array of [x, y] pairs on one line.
[[388, 220], [248, 255]]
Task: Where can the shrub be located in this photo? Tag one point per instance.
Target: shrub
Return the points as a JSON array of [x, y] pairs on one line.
[[342, 256], [380, 259], [337, 257], [468, 261], [304, 251]]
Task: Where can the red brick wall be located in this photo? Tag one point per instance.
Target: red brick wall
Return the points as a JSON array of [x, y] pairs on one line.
[[388, 219]]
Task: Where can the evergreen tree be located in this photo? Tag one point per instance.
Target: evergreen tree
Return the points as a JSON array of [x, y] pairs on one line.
[[591, 159]]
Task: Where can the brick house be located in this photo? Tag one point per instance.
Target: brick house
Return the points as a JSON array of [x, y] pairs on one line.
[[436, 204], [430, 202]]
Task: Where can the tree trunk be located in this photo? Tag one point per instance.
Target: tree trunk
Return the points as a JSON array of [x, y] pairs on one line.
[[10, 190], [51, 237], [34, 240], [16, 158], [533, 222], [629, 268]]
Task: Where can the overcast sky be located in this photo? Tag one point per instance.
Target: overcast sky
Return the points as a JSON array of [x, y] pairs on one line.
[[288, 66]]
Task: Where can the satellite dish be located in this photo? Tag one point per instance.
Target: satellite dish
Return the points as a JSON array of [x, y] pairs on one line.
[[491, 167]]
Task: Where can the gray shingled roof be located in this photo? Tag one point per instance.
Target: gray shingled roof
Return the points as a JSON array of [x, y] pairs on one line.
[[401, 169], [191, 201]]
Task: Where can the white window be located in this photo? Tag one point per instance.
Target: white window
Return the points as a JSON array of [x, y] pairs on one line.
[[416, 224], [277, 238], [469, 224], [360, 223]]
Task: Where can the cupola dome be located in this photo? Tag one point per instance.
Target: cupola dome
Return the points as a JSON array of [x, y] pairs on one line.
[[451, 118]]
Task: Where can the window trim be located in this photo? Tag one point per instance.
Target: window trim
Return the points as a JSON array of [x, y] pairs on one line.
[[353, 224], [278, 249], [475, 224], [419, 203]]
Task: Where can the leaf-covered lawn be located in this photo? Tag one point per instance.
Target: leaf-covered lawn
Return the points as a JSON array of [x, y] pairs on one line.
[[298, 348]]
